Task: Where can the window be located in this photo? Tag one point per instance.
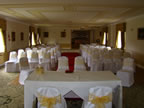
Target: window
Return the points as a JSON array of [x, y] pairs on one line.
[[119, 40], [33, 39], [2, 45]]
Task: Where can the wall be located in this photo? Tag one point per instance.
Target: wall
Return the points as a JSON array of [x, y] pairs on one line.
[[55, 36], [133, 45], [97, 37], [17, 27]]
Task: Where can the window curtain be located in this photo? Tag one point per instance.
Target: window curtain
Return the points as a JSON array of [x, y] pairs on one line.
[[2, 35], [105, 36], [31, 36], [120, 30], [33, 39], [39, 36], [2, 43]]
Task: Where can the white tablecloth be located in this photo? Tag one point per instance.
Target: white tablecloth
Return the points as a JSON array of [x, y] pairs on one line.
[[79, 82]]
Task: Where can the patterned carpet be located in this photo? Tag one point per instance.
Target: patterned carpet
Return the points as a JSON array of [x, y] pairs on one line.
[[12, 94]]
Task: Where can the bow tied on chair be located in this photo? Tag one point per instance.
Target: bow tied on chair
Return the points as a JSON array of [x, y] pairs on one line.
[[49, 102], [100, 101]]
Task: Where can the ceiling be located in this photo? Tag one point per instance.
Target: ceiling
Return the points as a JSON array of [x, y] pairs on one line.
[[71, 12]]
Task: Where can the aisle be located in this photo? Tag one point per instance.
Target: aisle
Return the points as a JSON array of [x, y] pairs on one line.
[[71, 56]]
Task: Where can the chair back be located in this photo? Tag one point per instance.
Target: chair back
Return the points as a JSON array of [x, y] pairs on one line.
[[48, 97], [13, 56], [23, 63], [63, 63], [79, 64], [100, 96], [128, 64]]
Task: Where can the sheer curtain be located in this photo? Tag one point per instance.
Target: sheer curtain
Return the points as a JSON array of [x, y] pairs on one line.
[[104, 39], [2, 45], [121, 35], [33, 39], [119, 40]]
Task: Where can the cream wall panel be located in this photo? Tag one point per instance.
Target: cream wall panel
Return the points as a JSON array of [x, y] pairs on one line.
[[132, 42], [55, 35], [17, 27]]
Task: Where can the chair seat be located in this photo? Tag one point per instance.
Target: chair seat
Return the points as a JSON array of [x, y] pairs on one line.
[[127, 77], [11, 66]]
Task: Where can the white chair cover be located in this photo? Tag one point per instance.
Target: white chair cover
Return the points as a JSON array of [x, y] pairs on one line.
[[34, 49], [96, 63], [63, 63], [24, 70], [53, 59], [126, 55], [29, 54], [79, 64], [126, 77], [20, 54], [46, 61], [128, 64], [100, 97], [13, 56], [34, 61], [12, 64], [108, 62], [49, 97], [127, 73]]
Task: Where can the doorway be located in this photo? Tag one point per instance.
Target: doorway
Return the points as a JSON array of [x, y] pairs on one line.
[[80, 37]]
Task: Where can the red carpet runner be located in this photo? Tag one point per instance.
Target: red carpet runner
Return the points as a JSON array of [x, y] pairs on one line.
[[71, 56]]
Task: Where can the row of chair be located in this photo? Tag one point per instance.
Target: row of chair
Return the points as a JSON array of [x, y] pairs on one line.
[[102, 58], [46, 57], [63, 64]]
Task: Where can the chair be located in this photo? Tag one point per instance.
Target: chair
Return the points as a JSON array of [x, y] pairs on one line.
[[126, 55], [126, 74], [99, 97], [49, 97], [53, 62], [34, 61], [12, 65], [108, 62], [117, 60], [79, 64], [21, 54], [96, 63], [63, 63], [34, 49], [24, 70], [46, 61], [29, 54]]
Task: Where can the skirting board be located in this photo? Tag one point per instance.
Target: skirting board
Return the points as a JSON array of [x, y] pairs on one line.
[[140, 66]]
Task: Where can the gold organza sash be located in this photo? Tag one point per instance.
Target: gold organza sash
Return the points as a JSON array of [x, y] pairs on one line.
[[100, 101], [39, 70], [49, 102]]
